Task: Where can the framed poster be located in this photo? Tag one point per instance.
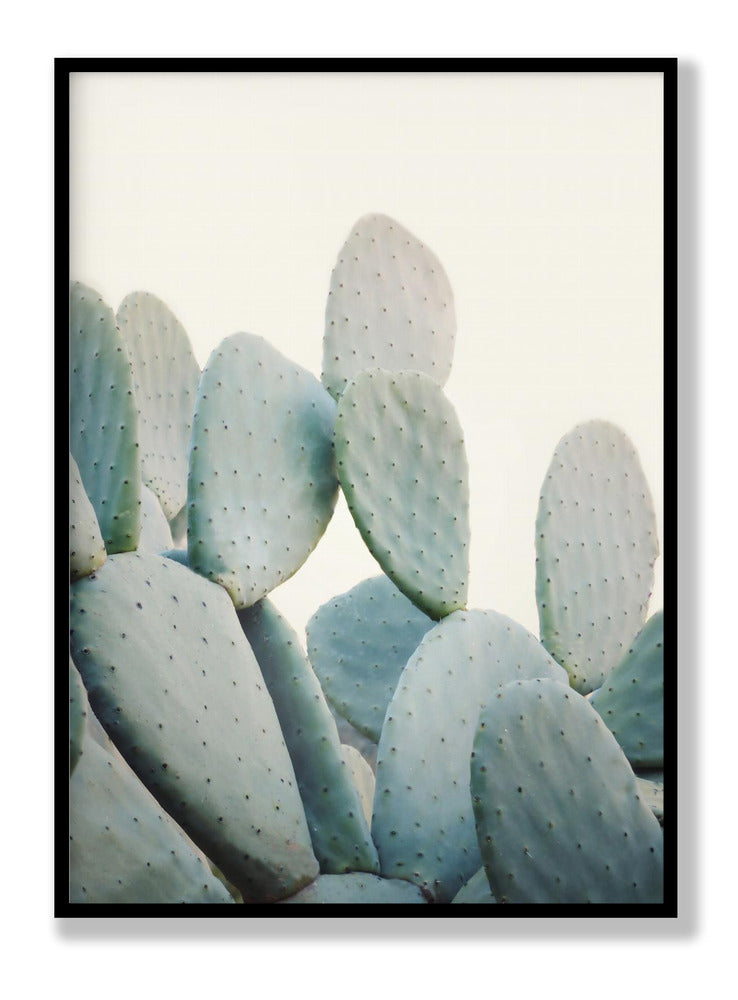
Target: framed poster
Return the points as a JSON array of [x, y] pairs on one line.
[[367, 453]]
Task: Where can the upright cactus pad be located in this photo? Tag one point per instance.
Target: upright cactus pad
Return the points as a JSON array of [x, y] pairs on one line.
[[156, 535], [596, 545], [103, 422], [362, 777], [262, 482], [558, 811], [651, 790], [174, 682], [390, 305], [476, 890], [78, 708], [338, 828], [165, 378], [359, 643], [631, 701], [423, 822], [86, 550], [358, 888], [402, 466], [123, 847]]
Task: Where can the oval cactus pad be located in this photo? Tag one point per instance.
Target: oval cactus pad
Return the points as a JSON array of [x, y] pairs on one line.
[[423, 822], [165, 378], [338, 828], [123, 847], [596, 545], [86, 549], [103, 422], [359, 643], [558, 811], [78, 708], [171, 677], [390, 305], [262, 482], [631, 701], [402, 465]]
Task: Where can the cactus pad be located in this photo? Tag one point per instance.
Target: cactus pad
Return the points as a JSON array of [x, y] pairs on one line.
[[156, 535], [357, 888], [262, 483], [359, 643], [558, 812], [86, 549], [362, 777], [402, 466], [651, 791], [631, 701], [123, 847], [174, 682], [423, 822], [390, 305], [165, 378], [476, 890], [596, 545], [78, 708], [103, 422], [339, 831]]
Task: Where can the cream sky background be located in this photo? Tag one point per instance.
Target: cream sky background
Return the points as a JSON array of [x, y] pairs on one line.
[[229, 196]]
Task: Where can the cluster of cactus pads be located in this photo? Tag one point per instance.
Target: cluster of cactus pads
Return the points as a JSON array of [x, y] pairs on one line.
[[476, 763]]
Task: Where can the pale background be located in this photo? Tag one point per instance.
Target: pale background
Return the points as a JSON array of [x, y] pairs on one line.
[[229, 196]]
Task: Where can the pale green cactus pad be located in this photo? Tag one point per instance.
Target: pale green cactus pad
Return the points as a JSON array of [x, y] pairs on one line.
[[359, 643], [558, 811], [103, 422], [178, 528], [423, 823], [86, 548], [362, 777], [165, 378], [357, 888], [170, 675], [123, 847], [78, 708], [476, 890], [262, 483], [402, 465], [338, 828], [352, 737], [156, 535], [631, 701], [596, 545], [652, 793], [390, 305]]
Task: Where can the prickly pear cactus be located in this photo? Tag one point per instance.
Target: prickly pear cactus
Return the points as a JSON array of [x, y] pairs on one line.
[[402, 466], [631, 701], [78, 708], [596, 545], [262, 483], [86, 550], [362, 777], [123, 847], [359, 643], [423, 823], [170, 675], [476, 890], [165, 378], [103, 422], [156, 535], [390, 305], [339, 831], [558, 811]]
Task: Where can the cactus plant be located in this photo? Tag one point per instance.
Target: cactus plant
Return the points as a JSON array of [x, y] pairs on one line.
[[209, 757]]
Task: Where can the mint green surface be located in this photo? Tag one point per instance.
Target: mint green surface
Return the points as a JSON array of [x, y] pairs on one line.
[[86, 548], [402, 466], [390, 305]]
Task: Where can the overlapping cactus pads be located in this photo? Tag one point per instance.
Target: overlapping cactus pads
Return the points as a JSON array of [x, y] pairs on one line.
[[390, 305], [262, 483], [174, 682], [559, 814], [402, 465], [404, 749], [596, 545]]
